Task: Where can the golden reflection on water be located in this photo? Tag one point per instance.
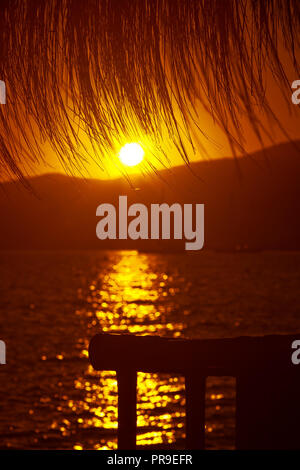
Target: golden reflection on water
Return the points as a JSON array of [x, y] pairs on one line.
[[131, 298]]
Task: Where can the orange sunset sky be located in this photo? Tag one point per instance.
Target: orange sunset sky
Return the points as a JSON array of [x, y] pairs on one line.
[[214, 142]]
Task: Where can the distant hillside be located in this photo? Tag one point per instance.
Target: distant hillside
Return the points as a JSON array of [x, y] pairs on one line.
[[254, 203]]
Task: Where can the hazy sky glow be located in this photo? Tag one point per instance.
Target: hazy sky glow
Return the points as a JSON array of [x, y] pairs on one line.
[[95, 129], [215, 143]]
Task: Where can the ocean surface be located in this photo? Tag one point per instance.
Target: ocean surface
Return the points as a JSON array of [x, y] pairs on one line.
[[52, 303]]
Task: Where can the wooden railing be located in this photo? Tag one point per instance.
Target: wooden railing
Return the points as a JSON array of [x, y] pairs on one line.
[[267, 383]]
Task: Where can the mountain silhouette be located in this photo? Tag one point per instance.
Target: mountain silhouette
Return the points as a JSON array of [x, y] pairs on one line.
[[251, 203]]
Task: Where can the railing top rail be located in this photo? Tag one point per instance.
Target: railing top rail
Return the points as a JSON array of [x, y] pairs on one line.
[[228, 356]]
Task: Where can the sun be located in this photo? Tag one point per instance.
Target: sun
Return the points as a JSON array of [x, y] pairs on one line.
[[131, 154]]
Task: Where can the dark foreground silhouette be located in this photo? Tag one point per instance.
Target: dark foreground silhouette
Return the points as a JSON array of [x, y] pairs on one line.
[[268, 383]]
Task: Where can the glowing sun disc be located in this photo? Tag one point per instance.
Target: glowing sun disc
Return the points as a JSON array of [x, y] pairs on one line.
[[131, 154]]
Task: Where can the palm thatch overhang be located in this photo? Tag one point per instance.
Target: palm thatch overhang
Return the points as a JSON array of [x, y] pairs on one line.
[[111, 68]]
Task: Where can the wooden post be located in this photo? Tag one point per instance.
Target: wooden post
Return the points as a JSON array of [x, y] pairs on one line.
[[267, 409], [127, 382], [195, 411]]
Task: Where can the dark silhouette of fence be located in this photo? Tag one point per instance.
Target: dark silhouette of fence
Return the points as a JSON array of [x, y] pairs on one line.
[[267, 383]]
